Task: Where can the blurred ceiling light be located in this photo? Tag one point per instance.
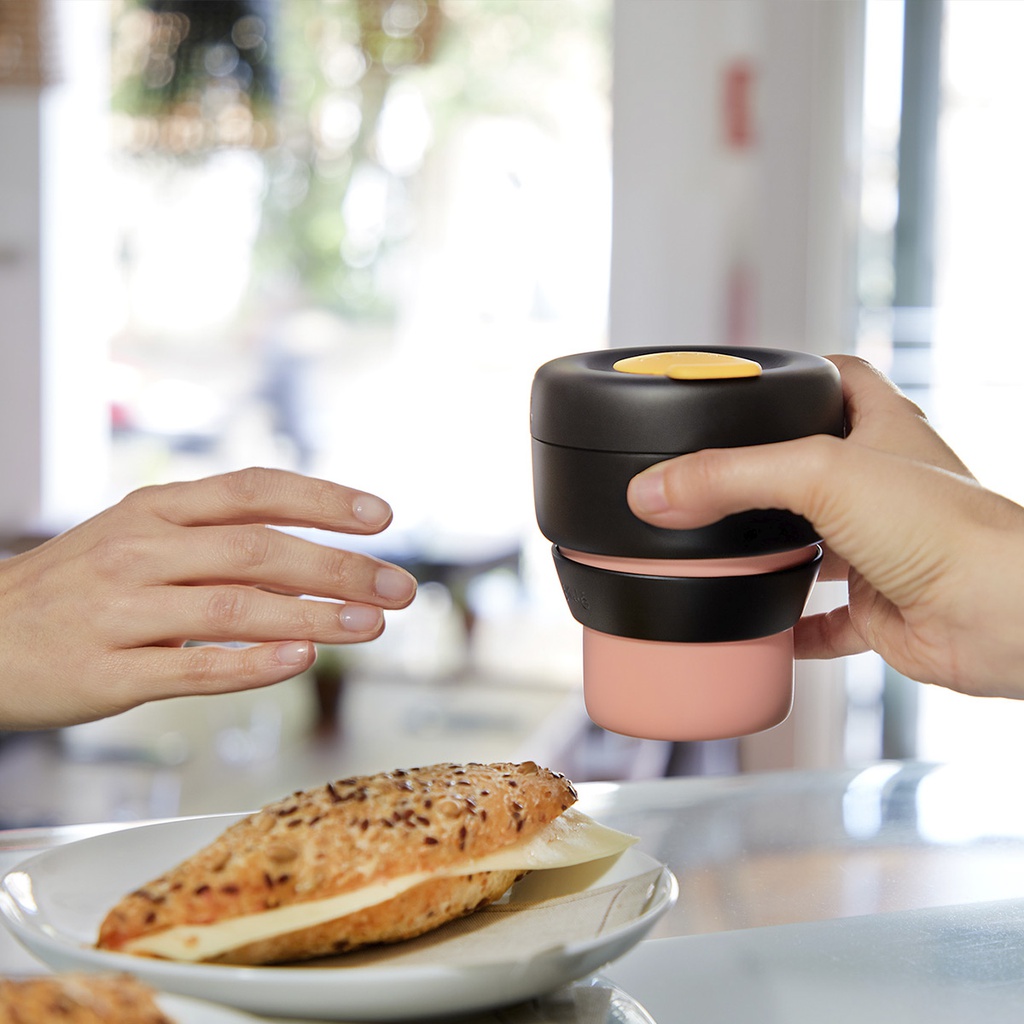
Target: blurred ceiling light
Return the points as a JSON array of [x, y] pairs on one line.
[[403, 17], [404, 132], [337, 120], [249, 32]]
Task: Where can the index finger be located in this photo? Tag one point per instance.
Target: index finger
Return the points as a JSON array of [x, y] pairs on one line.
[[272, 496], [880, 416]]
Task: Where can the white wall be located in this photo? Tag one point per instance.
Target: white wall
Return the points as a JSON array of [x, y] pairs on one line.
[[55, 265], [751, 243], [78, 267], [20, 314], [715, 244]]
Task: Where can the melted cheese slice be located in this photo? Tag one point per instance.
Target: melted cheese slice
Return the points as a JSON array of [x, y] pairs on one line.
[[572, 838]]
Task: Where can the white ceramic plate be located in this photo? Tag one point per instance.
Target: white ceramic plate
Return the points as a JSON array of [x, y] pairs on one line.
[[53, 903]]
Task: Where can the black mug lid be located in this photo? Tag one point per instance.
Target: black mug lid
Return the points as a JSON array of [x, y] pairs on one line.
[[582, 401]]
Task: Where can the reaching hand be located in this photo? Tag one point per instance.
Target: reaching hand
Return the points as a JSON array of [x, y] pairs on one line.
[[93, 621]]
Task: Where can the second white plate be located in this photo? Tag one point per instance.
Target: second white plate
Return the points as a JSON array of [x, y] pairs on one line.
[[183, 1010]]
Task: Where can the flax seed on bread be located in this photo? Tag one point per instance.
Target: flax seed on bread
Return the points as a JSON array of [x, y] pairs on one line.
[[346, 835]]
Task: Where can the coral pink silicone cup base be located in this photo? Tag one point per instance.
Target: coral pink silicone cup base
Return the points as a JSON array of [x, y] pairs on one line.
[[689, 691], [666, 691]]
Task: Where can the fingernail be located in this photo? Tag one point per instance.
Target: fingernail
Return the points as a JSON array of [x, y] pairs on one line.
[[359, 618], [295, 652], [647, 493], [370, 510], [394, 585]]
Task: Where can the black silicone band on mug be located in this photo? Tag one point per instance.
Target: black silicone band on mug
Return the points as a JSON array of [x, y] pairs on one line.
[[686, 609], [580, 499]]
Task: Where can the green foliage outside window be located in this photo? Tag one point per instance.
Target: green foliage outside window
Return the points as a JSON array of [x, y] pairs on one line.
[[305, 84]]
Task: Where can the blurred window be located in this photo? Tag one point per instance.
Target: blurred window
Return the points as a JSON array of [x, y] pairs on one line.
[[970, 377], [348, 234]]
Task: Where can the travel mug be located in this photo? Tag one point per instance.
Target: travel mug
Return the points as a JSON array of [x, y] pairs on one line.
[[687, 634]]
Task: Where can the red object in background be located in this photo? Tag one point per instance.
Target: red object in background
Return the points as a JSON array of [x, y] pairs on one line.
[[738, 104], [120, 417]]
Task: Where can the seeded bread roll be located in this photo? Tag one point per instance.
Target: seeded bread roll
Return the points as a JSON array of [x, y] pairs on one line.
[[79, 999], [344, 836]]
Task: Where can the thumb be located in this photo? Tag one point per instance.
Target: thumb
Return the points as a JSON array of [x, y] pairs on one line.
[[883, 514]]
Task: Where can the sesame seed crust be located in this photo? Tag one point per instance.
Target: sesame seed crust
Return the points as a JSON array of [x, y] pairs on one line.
[[346, 834]]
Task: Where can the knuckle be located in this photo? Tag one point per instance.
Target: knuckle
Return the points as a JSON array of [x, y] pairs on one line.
[[708, 465], [249, 546], [244, 486], [202, 667], [339, 570], [306, 620], [139, 499], [699, 474], [323, 500], [819, 452], [894, 419], [848, 359], [118, 555], [820, 464], [226, 608]]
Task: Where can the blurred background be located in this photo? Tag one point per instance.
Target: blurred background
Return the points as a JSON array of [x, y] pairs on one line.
[[339, 236]]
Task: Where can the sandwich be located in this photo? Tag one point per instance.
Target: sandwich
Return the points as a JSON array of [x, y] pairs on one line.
[[364, 860], [79, 999]]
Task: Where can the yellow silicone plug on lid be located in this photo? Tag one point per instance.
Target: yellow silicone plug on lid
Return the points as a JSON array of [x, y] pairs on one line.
[[689, 365]]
